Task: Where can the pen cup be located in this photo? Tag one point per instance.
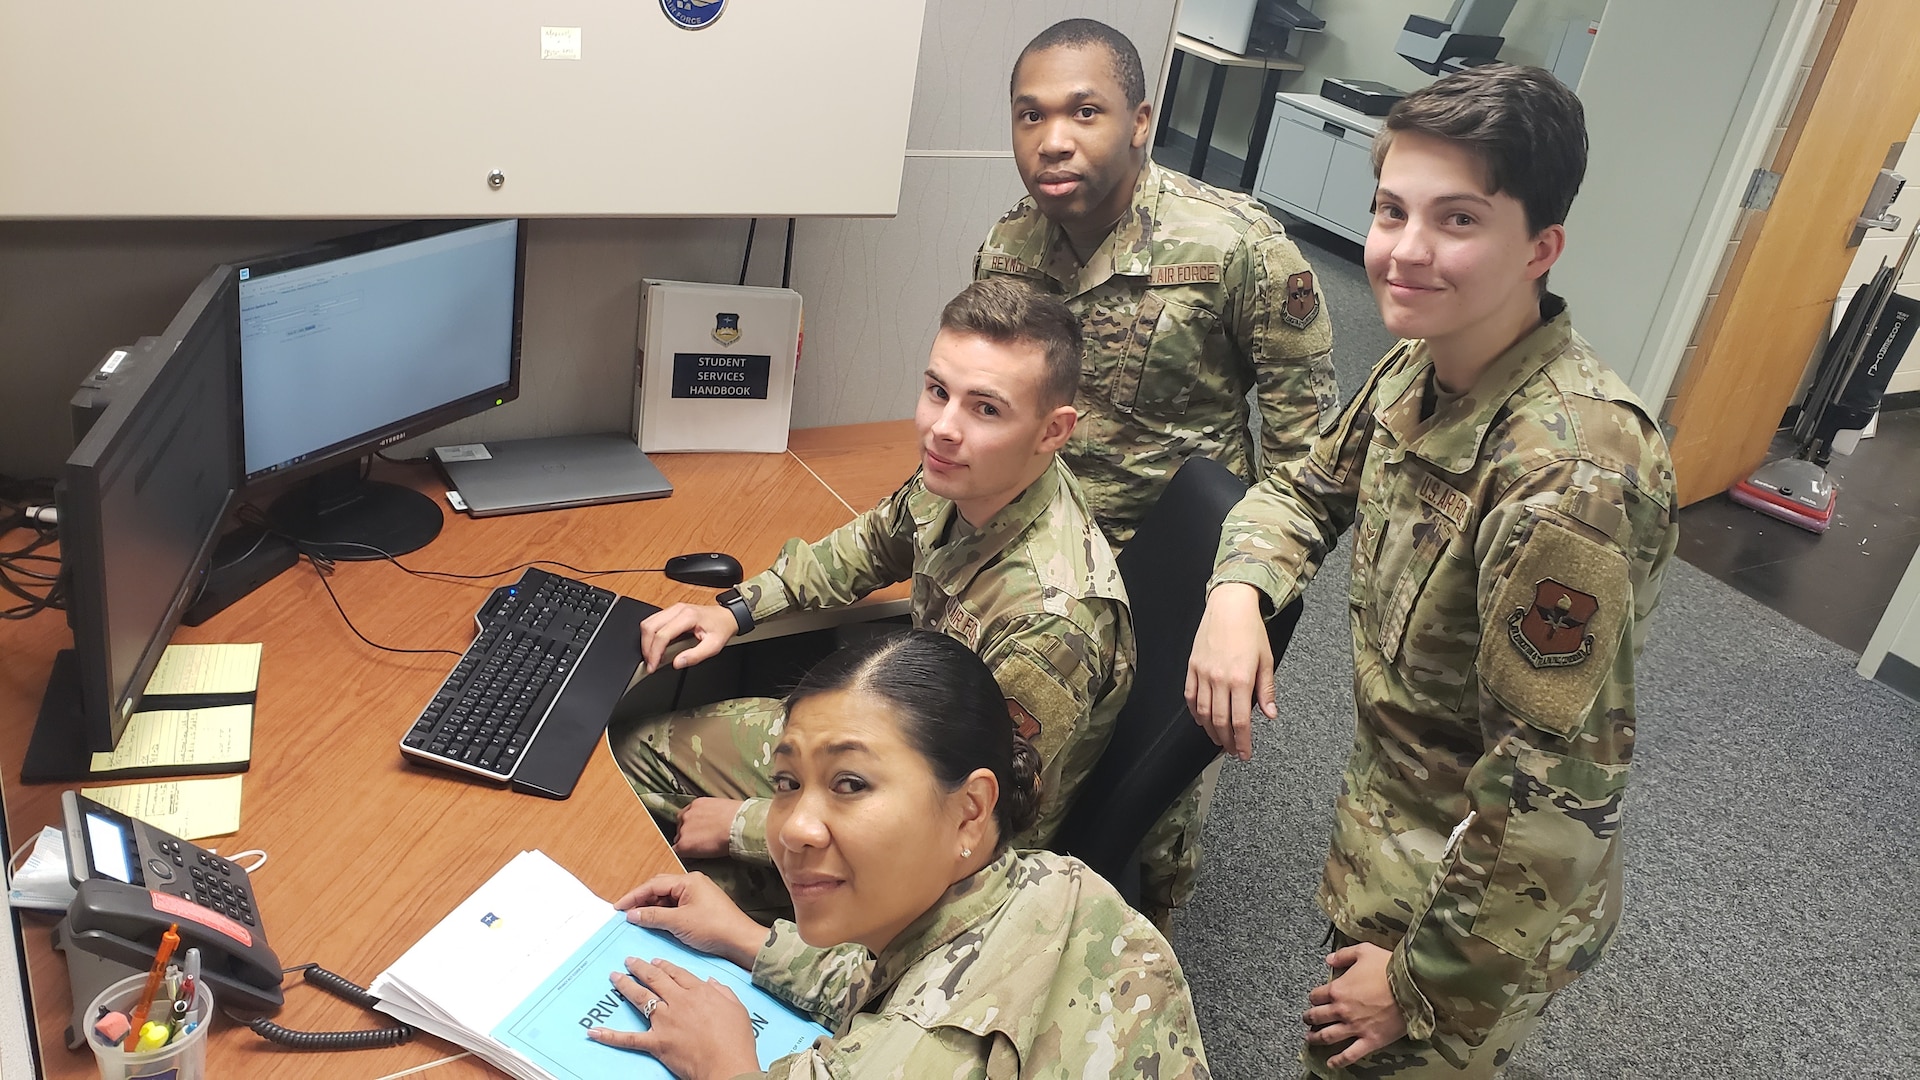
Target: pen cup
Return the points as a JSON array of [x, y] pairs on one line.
[[184, 1058]]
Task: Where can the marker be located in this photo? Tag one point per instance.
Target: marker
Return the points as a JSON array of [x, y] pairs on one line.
[[169, 941], [189, 985]]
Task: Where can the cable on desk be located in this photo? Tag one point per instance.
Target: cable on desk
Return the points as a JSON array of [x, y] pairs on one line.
[[340, 987], [22, 569]]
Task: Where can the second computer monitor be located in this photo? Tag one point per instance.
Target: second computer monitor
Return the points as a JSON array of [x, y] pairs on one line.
[[361, 343]]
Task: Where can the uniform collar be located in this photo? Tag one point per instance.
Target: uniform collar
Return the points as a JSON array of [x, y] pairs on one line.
[[965, 904], [1127, 250], [1452, 437], [954, 563]]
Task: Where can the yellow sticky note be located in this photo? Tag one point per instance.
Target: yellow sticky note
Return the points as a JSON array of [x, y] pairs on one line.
[[182, 737], [189, 809], [207, 669]]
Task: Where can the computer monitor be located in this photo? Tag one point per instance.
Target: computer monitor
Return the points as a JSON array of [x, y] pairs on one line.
[[142, 501], [359, 343]]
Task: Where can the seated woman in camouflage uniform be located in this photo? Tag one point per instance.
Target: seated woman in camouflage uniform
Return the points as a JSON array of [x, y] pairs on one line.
[[923, 943]]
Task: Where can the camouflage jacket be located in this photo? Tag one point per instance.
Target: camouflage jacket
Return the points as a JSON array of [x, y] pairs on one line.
[[1035, 593], [1196, 297], [1506, 556], [1033, 967]]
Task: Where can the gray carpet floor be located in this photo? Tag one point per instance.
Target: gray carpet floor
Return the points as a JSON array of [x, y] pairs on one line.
[[1772, 913]]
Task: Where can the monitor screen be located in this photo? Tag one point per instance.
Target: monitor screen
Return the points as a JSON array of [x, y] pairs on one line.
[[362, 342], [142, 503]]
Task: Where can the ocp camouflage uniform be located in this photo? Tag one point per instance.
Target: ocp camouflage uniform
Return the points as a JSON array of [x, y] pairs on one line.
[[1033, 967], [1507, 553], [1194, 299], [1035, 593]]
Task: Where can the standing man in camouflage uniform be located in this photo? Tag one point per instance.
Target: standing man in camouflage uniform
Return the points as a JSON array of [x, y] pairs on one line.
[[1003, 555], [1512, 507], [1189, 297]]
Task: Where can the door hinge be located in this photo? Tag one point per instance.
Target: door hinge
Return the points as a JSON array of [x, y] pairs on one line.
[[1760, 189]]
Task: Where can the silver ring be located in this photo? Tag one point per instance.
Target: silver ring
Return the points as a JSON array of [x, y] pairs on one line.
[[646, 1011]]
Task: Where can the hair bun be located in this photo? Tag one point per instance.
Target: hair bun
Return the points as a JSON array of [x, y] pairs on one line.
[[1023, 794]]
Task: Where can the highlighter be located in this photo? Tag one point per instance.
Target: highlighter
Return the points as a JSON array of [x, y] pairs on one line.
[[153, 1036]]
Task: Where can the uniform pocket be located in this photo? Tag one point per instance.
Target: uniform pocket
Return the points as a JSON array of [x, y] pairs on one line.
[[1156, 378], [1562, 821]]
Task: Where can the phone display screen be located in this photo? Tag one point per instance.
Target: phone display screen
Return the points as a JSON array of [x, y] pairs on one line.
[[107, 847]]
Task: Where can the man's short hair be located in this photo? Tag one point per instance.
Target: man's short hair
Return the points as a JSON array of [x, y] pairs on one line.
[[1082, 33], [1527, 127], [1008, 311]]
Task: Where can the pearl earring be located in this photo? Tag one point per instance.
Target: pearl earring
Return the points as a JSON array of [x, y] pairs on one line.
[[966, 853]]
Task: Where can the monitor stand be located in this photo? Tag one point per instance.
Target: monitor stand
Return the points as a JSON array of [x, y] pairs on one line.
[[58, 750], [346, 516]]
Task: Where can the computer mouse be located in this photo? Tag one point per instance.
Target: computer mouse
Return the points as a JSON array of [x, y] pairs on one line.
[[705, 568]]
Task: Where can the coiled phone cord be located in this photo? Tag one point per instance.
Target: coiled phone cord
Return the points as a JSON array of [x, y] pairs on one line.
[[340, 987]]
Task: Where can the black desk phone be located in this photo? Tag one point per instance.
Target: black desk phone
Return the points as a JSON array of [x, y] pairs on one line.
[[132, 881]]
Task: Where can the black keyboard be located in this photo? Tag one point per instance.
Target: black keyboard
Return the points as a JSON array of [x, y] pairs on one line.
[[530, 697]]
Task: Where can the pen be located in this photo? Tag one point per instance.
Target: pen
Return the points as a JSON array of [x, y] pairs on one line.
[[169, 941]]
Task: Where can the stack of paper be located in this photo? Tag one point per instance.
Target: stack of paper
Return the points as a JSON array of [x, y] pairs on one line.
[[519, 972]]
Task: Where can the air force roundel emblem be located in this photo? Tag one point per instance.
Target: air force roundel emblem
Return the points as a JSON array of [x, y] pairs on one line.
[[693, 14], [726, 327]]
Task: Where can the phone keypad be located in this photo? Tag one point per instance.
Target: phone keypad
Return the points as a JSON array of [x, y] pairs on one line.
[[216, 885]]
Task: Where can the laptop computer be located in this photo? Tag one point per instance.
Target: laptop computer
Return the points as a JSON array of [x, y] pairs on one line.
[[522, 475]]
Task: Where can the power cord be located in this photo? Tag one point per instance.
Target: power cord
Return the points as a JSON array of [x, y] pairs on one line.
[[28, 576], [323, 566], [340, 987]]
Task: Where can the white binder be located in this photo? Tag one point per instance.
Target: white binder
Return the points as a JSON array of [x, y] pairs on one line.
[[715, 367]]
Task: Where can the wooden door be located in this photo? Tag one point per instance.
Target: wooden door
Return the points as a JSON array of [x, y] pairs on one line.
[[1772, 313]]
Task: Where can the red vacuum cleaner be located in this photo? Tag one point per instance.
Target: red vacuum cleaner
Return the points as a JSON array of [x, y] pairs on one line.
[[1858, 362]]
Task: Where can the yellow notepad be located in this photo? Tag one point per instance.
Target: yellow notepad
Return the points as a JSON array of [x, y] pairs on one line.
[[220, 736], [207, 669], [189, 809]]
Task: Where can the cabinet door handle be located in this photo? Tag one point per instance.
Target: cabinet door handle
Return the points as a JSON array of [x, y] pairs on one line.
[[1333, 129]]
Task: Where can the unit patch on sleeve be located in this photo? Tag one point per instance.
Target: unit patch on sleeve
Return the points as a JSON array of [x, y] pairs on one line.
[[1303, 304], [1024, 723], [1552, 631]]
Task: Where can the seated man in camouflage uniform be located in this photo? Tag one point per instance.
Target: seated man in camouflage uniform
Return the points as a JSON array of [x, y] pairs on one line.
[[1189, 298], [1003, 555], [1512, 507]]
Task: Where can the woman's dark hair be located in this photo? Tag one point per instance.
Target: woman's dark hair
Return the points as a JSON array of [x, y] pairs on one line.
[[950, 710]]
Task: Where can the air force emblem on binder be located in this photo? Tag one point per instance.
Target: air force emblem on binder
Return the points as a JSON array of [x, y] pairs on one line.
[[693, 14], [726, 327]]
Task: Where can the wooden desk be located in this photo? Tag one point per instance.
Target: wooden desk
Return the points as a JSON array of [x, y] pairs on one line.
[[367, 852]]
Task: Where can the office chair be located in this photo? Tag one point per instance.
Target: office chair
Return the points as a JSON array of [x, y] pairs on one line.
[[1157, 749]]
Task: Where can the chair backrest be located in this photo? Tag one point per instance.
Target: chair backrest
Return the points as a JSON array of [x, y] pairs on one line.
[[1157, 749]]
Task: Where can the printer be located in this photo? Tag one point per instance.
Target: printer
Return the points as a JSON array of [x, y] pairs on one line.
[[1468, 36], [1246, 27]]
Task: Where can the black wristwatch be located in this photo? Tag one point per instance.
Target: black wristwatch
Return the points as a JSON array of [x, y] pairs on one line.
[[742, 612]]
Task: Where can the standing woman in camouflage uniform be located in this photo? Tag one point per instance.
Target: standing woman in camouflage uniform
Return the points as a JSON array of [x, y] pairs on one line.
[[924, 944], [1512, 510]]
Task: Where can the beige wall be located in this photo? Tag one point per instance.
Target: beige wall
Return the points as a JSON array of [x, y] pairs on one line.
[[69, 291]]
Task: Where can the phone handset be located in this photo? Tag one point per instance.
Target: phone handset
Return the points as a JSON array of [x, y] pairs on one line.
[[132, 880]]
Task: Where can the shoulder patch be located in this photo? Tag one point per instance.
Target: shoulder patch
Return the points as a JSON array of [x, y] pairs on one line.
[[1302, 304], [1024, 724], [1186, 274], [1035, 690], [1554, 628]]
